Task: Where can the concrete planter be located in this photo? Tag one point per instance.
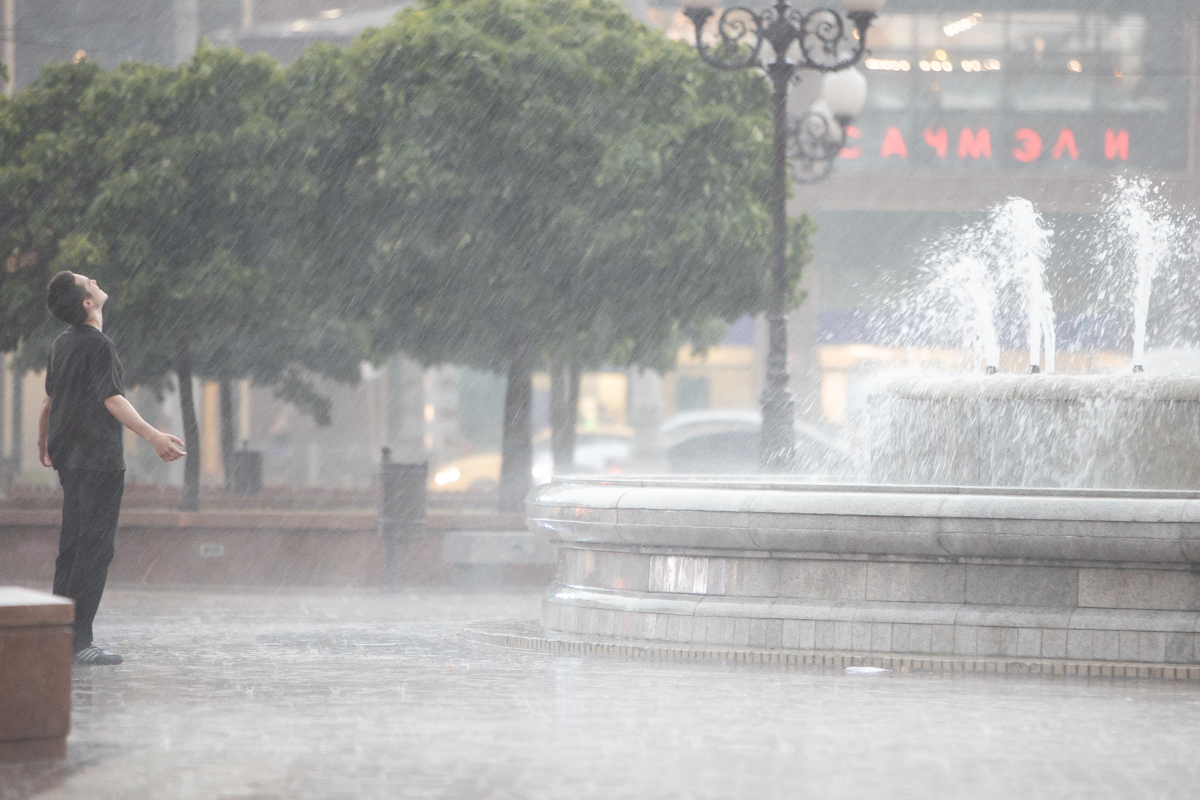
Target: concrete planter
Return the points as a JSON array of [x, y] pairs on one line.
[[35, 674]]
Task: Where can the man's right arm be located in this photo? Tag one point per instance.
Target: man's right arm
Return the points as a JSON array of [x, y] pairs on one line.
[[168, 447]]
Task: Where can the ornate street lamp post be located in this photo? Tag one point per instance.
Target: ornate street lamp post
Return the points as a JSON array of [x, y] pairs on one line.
[[782, 40]]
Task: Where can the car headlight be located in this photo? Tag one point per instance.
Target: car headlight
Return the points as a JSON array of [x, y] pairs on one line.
[[448, 475]]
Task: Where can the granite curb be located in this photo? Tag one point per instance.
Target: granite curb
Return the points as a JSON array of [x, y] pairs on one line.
[[530, 636]]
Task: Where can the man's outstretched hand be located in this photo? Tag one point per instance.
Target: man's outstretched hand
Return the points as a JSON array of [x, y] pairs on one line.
[[168, 447]]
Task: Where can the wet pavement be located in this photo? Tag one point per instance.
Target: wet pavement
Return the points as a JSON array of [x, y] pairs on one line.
[[327, 694]]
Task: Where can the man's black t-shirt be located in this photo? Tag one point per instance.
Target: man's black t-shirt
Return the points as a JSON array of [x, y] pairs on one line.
[[82, 373]]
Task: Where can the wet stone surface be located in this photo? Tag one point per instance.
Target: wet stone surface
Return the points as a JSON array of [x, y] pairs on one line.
[[320, 694]]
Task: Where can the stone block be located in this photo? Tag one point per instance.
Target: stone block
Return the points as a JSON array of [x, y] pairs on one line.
[[672, 632], [583, 618], [860, 636], [687, 629], [806, 635], [902, 637], [941, 639], [843, 635], [752, 577], [1180, 648], [773, 636], [790, 635], [606, 623], [1029, 642], [570, 566], [881, 637], [723, 632], [991, 584], [824, 635], [1014, 616], [1008, 641], [718, 575], [823, 580], [35, 674], [1169, 590], [1080, 644], [758, 633], [1054, 644], [672, 575], [1106, 645], [915, 583], [741, 632], [966, 640], [1151, 647], [987, 641], [1127, 646], [1123, 619], [566, 618], [920, 639]]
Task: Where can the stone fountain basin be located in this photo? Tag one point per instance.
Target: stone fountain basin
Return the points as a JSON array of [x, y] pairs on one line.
[[921, 570], [1108, 431]]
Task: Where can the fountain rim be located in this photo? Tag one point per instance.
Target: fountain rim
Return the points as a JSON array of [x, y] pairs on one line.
[[799, 484], [1040, 386]]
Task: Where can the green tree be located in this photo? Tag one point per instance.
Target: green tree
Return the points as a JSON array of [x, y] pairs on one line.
[[536, 181], [178, 221]]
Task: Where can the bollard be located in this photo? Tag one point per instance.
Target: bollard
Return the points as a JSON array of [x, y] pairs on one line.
[[401, 510], [244, 472]]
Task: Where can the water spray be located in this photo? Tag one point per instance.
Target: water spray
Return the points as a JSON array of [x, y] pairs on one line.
[[1146, 222]]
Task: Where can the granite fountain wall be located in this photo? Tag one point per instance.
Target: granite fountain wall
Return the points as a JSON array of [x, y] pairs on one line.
[[1070, 431], [924, 571]]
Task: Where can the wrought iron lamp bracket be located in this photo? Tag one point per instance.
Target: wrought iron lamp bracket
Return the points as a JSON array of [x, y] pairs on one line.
[[821, 35]]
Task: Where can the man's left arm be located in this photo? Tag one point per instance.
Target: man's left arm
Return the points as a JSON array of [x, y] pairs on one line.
[[167, 446], [44, 433]]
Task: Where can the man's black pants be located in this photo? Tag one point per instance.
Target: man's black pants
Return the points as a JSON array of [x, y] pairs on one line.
[[91, 505]]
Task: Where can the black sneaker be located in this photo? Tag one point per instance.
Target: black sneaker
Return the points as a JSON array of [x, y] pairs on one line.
[[94, 656]]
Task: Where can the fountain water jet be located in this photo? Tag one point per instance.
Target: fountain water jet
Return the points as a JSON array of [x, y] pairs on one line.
[[981, 272], [1146, 223], [1022, 244]]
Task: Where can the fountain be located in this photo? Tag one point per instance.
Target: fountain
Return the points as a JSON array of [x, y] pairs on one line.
[[1046, 521], [1070, 431]]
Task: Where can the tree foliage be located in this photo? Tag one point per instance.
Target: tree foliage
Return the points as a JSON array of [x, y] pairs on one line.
[[551, 176], [497, 183]]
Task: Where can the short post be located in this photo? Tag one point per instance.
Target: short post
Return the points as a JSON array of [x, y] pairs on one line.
[[401, 511], [244, 472]]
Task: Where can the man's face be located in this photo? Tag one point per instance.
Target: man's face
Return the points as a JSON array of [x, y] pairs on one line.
[[95, 296]]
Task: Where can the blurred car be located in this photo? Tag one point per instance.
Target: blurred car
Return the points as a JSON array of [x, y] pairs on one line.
[[597, 452], [726, 441]]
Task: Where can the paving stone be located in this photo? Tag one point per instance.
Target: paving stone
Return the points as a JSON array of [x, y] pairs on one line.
[[317, 695]]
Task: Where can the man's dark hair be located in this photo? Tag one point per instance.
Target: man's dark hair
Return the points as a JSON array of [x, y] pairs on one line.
[[64, 298]]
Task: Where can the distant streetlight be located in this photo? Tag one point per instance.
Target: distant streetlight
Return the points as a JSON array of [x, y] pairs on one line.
[[818, 40]]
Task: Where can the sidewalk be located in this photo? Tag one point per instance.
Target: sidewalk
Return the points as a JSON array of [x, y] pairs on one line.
[[360, 694]]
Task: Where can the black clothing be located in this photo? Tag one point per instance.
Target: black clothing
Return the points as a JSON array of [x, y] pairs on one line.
[[84, 443], [91, 504], [83, 372]]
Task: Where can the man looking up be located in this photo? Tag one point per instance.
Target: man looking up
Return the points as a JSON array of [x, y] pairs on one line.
[[79, 434]]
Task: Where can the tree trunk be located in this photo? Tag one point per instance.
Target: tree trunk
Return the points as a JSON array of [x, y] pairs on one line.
[[516, 448], [228, 425], [191, 432], [18, 419], [564, 413]]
